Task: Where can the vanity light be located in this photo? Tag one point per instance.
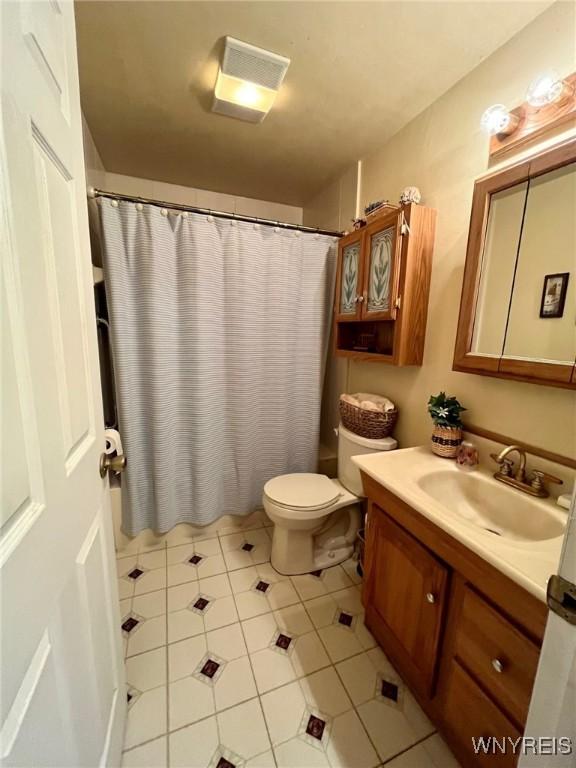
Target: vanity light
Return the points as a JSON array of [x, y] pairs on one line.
[[497, 120], [546, 89]]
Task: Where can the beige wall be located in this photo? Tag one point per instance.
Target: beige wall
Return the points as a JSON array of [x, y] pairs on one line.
[[203, 198], [95, 171], [442, 151], [97, 176], [334, 208]]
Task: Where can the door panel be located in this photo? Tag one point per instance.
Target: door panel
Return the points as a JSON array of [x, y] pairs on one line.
[[408, 594], [349, 278], [61, 674], [380, 284]]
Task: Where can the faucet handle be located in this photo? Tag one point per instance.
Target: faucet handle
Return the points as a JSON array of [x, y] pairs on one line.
[[539, 478], [506, 465]]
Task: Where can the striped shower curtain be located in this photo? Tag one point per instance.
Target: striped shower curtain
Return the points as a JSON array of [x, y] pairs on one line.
[[219, 333]]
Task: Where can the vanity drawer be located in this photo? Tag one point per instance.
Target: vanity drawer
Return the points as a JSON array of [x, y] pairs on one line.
[[469, 714], [498, 655]]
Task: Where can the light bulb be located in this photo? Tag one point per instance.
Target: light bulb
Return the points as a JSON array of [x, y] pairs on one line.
[[544, 89], [496, 119], [247, 95]]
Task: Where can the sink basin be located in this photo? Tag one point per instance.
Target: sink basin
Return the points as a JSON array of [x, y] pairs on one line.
[[489, 505]]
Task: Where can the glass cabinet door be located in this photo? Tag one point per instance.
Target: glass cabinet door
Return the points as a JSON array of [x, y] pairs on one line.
[[381, 274], [349, 289]]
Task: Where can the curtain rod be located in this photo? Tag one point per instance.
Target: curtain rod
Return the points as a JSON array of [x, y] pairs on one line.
[[93, 193]]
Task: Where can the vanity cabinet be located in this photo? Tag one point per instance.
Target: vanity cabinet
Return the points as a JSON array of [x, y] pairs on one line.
[[464, 637], [382, 286]]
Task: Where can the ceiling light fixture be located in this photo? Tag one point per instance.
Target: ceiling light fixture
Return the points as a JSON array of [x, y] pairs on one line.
[[497, 120], [248, 81]]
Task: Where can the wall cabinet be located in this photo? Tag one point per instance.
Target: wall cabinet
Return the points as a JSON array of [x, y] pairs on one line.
[[382, 287], [465, 638]]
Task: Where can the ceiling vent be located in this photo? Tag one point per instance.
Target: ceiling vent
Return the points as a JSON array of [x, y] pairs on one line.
[[248, 80]]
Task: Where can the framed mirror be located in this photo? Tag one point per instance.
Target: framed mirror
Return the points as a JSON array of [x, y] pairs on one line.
[[518, 307]]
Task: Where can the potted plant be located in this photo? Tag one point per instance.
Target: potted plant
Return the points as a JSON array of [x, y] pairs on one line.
[[447, 434]]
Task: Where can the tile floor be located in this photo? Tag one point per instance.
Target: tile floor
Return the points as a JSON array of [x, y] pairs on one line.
[[231, 665]]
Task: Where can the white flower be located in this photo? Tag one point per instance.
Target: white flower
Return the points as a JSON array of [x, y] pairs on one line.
[[443, 412]]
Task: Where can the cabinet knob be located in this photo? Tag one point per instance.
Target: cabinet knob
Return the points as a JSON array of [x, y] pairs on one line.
[[360, 299], [498, 666], [430, 597]]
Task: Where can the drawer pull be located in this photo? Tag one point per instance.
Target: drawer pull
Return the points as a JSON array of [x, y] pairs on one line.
[[498, 666], [430, 597]]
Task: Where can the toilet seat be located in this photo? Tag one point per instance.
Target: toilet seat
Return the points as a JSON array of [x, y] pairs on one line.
[[302, 492]]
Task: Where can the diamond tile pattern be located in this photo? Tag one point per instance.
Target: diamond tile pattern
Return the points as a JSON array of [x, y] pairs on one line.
[[129, 624], [241, 667], [315, 727], [345, 619], [283, 641], [210, 668]]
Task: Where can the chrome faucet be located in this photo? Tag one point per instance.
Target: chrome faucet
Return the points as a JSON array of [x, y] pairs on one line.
[[535, 486]]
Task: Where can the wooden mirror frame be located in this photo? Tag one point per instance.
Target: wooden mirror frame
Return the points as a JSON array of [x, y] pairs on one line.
[[536, 372]]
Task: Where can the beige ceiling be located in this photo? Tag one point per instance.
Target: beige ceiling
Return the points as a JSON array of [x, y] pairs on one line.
[[359, 72]]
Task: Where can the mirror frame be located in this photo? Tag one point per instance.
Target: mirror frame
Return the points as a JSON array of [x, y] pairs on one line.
[[534, 371]]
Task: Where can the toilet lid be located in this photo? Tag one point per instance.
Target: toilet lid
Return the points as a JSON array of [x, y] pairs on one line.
[[303, 490]]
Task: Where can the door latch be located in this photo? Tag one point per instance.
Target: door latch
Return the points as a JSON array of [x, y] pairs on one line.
[[110, 463], [561, 598]]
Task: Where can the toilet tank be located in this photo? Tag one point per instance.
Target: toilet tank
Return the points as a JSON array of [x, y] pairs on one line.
[[350, 445]]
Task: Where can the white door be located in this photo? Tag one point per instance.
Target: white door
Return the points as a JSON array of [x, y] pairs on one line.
[[62, 697], [552, 715]]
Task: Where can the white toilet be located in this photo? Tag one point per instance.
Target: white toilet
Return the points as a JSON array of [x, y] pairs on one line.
[[316, 518]]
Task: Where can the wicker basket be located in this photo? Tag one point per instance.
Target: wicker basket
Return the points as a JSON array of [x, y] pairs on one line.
[[446, 441], [372, 424]]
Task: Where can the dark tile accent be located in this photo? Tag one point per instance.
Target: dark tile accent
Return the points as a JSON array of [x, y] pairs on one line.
[[129, 697], [129, 624], [201, 603], [389, 690], [210, 668], [262, 586], [315, 727], [283, 641], [223, 763], [247, 547], [195, 559], [316, 573], [135, 573], [345, 619]]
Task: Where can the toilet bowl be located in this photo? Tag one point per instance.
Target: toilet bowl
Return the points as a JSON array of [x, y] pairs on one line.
[[316, 518]]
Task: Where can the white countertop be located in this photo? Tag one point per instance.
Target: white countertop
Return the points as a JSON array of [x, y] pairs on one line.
[[528, 563]]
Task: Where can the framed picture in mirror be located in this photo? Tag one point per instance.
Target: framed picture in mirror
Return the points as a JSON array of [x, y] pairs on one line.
[[554, 295]]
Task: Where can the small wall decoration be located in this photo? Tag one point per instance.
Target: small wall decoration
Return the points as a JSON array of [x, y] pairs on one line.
[[410, 195], [554, 295]]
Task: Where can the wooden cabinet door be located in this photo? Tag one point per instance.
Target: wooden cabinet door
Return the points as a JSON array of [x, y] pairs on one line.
[[383, 243], [349, 277], [405, 599]]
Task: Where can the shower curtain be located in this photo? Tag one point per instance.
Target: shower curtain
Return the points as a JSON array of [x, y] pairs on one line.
[[219, 334]]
